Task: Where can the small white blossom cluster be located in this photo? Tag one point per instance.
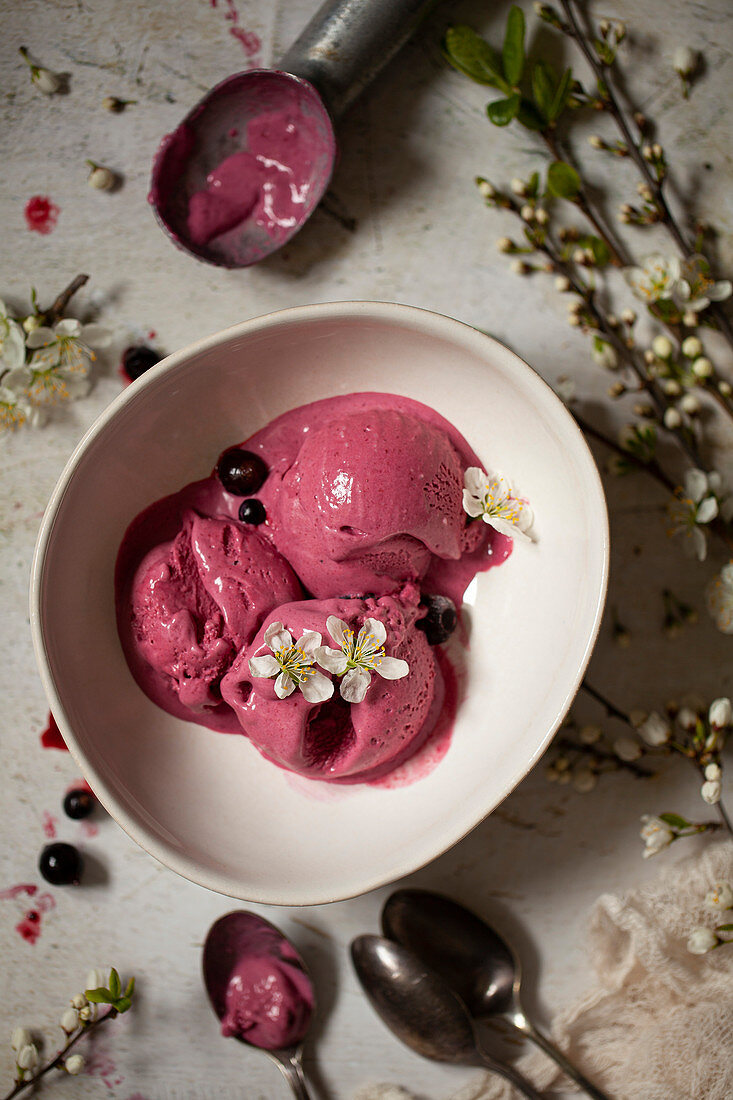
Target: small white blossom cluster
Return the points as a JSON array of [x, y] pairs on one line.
[[41, 366], [697, 504], [687, 283], [702, 939], [292, 662]]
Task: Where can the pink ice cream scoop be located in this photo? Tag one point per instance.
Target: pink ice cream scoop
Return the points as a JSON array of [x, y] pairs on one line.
[[336, 739], [195, 602], [367, 495]]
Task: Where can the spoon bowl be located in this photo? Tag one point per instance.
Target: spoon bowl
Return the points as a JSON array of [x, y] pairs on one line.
[[220, 127], [243, 936], [421, 1009], [473, 960]]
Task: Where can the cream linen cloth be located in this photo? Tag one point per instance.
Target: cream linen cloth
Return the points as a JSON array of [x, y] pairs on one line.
[[659, 1024]]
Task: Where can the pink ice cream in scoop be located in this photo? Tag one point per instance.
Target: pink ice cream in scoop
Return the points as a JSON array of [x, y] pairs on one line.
[[336, 739], [269, 1002]]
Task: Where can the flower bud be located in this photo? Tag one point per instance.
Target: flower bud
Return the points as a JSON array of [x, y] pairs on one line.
[[627, 749], [590, 734], [527, 213], [690, 319], [79, 1001], [519, 267], [720, 896], [713, 771], [662, 347], [21, 1037], [628, 316], [657, 151], [28, 1056], [691, 347], [596, 142], [690, 405], [70, 1020], [74, 1064], [720, 713], [505, 245], [86, 1013], [685, 60], [485, 188], [655, 730], [702, 367], [701, 941], [711, 791], [519, 187], [562, 283], [672, 387], [541, 216], [725, 388], [100, 178], [672, 419], [584, 780]]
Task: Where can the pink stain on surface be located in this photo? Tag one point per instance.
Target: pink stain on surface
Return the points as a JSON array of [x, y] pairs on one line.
[[41, 214], [100, 1064], [11, 892], [51, 737], [49, 825], [29, 927], [248, 40], [88, 829]]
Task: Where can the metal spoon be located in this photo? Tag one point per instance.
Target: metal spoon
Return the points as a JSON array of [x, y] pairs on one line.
[[420, 1008], [229, 940], [473, 959], [341, 50]]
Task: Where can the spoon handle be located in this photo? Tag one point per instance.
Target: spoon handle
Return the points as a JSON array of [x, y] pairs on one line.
[[521, 1084], [347, 42], [292, 1071], [521, 1023]]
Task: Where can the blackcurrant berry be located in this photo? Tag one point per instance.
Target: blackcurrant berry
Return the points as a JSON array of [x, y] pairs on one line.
[[79, 803], [61, 864], [440, 619], [252, 511], [240, 472], [137, 359]]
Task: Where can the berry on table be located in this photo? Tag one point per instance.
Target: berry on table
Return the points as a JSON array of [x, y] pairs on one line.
[[137, 359], [79, 803], [61, 864], [252, 511], [241, 472]]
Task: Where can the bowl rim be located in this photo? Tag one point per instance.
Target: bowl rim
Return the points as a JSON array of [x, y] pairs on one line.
[[428, 322]]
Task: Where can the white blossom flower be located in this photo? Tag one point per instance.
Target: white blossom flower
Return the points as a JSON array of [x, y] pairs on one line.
[[720, 713], [656, 278], [711, 791], [713, 771], [21, 1037], [719, 599], [701, 941], [70, 1020], [66, 347], [656, 835], [696, 504], [654, 730], [74, 1064], [293, 664], [28, 1056], [357, 658], [696, 289], [627, 749], [490, 496], [12, 341], [720, 896]]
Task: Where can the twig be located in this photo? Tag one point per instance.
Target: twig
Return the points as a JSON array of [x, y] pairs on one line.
[[567, 745], [56, 311], [60, 1057], [652, 468]]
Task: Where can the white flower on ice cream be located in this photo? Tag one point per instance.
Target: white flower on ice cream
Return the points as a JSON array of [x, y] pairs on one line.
[[292, 662], [491, 497], [358, 657]]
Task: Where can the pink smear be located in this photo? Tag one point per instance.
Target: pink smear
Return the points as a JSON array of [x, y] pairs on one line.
[[88, 829], [248, 40], [51, 737], [49, 825], [79, 785], [99, 1064], [11, 892], [41, 214]]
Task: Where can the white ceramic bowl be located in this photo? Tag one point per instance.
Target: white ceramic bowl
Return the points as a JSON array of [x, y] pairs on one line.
[[209, 805]]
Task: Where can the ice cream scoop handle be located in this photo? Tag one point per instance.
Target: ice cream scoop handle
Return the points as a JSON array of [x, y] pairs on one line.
[[347, 42]]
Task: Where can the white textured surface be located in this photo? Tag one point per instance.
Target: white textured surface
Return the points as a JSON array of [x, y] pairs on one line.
[[409, 151]]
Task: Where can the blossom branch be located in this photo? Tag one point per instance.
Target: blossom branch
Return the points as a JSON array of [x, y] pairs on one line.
[[57, 1061]]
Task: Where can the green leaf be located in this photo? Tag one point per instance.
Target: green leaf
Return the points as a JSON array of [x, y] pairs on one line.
[[562, 94], [130, 988], [115, 986], [724, 928], [122, 1004], [473, 57], [512, 54], [99, 996], [503, 111], [543, 87], [529, 116], [675, 821], [533, 185], [562, 180]]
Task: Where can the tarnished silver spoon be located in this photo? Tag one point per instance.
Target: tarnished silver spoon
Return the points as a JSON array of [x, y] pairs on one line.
[[243, 956], [421, 1010], [473, 959]]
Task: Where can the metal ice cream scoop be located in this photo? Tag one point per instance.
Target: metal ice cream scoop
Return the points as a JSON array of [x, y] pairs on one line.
[[340, 51]]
